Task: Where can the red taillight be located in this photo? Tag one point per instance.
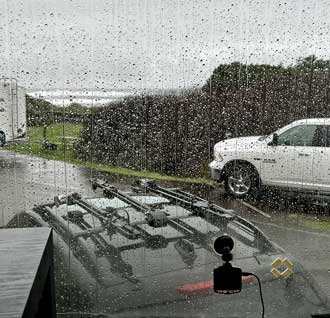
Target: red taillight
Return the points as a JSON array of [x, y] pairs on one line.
[[204, 286]]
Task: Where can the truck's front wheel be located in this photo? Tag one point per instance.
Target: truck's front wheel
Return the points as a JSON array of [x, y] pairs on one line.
[[241, 180], [2, 139]]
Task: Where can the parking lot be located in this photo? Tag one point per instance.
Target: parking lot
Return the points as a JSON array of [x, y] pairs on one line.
[[29, 181]]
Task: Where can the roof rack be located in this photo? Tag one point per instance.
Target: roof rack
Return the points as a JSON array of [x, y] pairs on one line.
[[215, 214], [154, 215], [159, 218]]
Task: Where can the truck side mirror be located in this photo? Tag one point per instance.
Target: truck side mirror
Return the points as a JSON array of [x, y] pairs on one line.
[[274, 141], [228, 135]]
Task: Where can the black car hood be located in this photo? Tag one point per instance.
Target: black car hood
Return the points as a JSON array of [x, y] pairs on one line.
[[127, 277]]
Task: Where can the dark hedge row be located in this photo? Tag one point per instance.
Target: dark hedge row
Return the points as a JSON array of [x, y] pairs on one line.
[[176, 134]]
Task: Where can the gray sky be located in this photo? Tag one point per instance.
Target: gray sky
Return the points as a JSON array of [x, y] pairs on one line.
[[116, 44]]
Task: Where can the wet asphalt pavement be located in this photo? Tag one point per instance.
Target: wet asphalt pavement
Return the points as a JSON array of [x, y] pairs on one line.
[[27, 181]]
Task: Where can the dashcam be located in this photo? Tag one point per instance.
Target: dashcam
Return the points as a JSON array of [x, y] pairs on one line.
[[226, 278]]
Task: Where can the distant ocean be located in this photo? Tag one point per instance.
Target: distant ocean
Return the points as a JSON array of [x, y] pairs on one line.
[[88, 98]]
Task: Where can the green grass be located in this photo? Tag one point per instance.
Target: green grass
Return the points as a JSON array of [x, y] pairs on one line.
[[321, 223], [55, 132]]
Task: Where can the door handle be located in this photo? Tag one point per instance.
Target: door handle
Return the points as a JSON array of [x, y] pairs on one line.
[[303, 154]]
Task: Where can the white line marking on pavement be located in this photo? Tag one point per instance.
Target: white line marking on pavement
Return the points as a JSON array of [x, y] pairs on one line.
[[255, 209]]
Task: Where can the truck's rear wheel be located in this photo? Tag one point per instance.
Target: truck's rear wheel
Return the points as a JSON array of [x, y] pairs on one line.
[[241, 180], [2, 139]]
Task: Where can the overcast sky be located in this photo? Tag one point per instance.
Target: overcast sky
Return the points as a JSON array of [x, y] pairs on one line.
[[96, 44]]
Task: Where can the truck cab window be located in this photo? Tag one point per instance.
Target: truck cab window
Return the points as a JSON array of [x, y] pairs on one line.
[[320, 136], [298, 136], [327, 137]]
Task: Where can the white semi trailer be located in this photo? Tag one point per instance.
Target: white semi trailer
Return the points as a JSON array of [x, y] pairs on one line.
[[12, 110]]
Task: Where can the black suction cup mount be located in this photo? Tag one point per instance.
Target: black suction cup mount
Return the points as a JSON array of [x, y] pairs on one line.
[[223, 246]]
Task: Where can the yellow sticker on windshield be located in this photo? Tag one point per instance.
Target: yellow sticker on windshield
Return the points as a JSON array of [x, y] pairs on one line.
[[282, 268]]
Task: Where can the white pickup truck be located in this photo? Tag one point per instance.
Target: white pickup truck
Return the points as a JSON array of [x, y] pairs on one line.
[[295, 157]]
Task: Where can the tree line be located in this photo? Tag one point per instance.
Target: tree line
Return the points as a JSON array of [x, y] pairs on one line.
[[40, 112]]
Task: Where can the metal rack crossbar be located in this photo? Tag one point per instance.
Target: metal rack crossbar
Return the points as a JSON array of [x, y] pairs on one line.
[[175, 222], [214, 214]]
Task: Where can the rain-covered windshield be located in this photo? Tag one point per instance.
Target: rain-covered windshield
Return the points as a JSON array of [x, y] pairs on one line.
[[142, 131]]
